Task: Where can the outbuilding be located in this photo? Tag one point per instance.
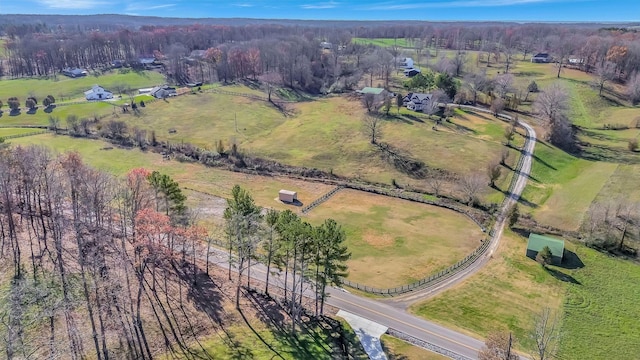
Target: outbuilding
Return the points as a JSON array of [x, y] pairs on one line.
[[537, 242], [98, 93], [288, 196]]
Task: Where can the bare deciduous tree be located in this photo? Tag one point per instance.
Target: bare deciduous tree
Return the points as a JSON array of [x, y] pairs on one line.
[[471, 184], [498, 346], [633, 88], [493, 172], [373, 128], [546, 335], [604, 72]]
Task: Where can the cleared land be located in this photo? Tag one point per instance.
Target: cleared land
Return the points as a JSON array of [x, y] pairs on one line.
[[16, 131], [40, 117], [397, 349], [500, 297], [442, 236], [394, 242]]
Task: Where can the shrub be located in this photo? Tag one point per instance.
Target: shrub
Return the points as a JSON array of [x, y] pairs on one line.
[[544, 256], [633, 144]]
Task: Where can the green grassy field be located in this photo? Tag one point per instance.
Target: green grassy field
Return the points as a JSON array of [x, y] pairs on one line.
[[40, 117], [16, 131], [383, 42], [502, 296], [395, 242], [64, 88], [600, 319], [397, 349]]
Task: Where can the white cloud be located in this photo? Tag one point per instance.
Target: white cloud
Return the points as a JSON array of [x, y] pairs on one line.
[[324, 5], [456, 4], [244, 5], [72, 4], [146, 6]]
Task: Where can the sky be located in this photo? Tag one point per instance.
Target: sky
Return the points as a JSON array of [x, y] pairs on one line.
[[430, 10]]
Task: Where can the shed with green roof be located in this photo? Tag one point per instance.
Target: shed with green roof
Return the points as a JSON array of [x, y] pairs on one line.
[[538, 242]]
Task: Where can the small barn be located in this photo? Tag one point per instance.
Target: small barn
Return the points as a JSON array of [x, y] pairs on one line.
[[537, 242], [288, 196], [98, 93]]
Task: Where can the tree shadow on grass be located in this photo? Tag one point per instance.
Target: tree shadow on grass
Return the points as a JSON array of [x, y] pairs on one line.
[[205, 294], [49, 108], [14, 112], [570, 260], [562, 276], [317, 338]]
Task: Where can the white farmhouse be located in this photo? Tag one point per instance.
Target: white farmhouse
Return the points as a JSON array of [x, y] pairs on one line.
[[98, 93]]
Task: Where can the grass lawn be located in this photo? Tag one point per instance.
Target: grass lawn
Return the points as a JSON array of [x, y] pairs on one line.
[[601, 311], [394, 242], [504, 295], [40, 117], [397, 349], [65, 88], [16, 131]]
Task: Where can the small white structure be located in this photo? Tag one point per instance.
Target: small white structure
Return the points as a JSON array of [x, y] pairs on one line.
[[287, 196], [97, 93], [406, 63]]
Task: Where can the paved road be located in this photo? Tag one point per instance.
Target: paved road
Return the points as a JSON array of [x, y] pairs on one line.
[[405, 300], [391, 313]]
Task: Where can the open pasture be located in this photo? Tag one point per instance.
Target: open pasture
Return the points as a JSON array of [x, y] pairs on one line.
[[395, 242]]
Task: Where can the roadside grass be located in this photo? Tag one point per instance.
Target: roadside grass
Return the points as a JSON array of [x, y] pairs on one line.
[[502, 296], [40, 117], [397, 349], [395, 242], [258, 341], [65, 88], [600, 313]]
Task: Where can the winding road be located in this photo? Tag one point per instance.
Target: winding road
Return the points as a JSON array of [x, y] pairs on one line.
[[392, 312]]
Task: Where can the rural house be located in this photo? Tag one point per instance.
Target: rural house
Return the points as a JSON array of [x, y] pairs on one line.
[[98, 93], [163, 91], [541, 58], [416, 101], [74, 73], [406, 63], [537, 242]]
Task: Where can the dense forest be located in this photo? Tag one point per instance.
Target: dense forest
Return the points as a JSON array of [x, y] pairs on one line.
[[291, 53]]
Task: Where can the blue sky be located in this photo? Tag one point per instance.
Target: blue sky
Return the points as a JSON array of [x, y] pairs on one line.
[[525, 10]]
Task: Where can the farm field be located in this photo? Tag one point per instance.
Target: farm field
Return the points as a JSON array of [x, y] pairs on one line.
[[327, 134], [396, 230], [64, 88], [394, 242], [502, 296]]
